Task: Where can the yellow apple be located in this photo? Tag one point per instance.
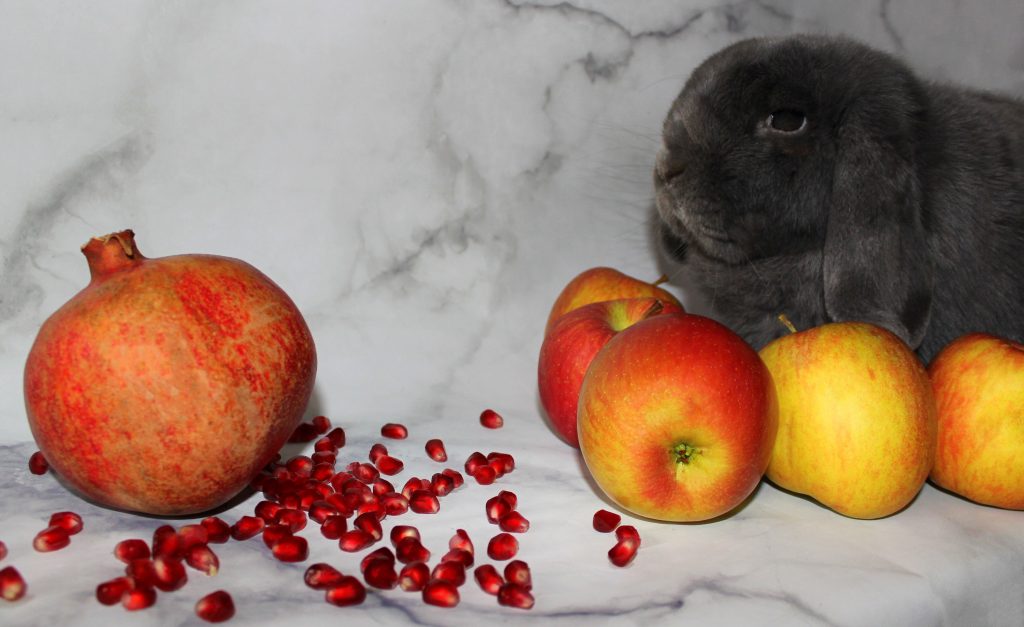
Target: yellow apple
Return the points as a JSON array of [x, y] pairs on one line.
[[857, 419], [600, 284], [978, 382]]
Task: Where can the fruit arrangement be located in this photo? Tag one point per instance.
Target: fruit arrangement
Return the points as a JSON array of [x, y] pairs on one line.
[[677, 418], [168, 386]]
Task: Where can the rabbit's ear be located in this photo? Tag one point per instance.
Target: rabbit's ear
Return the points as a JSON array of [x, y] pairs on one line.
[[876, 262]]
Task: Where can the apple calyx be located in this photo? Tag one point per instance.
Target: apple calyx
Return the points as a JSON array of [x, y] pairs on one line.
[[684, 453]]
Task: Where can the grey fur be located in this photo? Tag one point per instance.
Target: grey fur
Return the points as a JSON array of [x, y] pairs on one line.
[[901, 202]]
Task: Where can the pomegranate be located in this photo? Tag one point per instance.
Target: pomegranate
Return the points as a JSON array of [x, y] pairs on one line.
[[166, 384]]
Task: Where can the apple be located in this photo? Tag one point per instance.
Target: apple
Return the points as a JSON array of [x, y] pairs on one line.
[[600, 284], [857, 421], [573, 343], [978, 381], [677, 417]]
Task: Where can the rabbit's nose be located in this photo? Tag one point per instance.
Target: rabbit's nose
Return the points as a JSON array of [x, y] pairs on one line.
[[667, 166]]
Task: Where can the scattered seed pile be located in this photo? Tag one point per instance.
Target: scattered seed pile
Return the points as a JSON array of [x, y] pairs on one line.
[[349, 506]]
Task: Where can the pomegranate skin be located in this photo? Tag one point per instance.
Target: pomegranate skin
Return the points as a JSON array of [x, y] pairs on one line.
[[166, 384]]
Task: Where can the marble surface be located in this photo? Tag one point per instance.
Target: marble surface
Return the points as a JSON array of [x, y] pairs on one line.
[[422, 178]]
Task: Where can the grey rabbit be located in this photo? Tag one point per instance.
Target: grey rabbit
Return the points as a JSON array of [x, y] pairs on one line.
[[820, 178]]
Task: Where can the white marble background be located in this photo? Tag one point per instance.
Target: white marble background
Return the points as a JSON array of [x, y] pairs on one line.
[[422, 177]]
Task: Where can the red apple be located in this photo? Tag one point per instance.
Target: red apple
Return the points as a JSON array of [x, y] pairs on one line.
[[978, 381], [600, 284], [677, 418], [573, 343]]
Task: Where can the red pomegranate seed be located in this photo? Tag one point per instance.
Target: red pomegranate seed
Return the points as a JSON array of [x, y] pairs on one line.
[[518, 572], [169, 574], [51, 539], [370, 524], [333, 527], [12, 585], [191, 535], [305, 432], [217, 531], [366, 473], [37, 463], [394, 431], [3, 550], [215, 607], [294, 519], [514, 522], [403, 531], [441, 594], [487, 576], [424, 502], [274, 533], [515, 595], [413, 577], [452, 572], [628, 531], [605, 521], [410, 549], [502, 547], [138, 599], [461, 541], [491, 419], [291, 549], [337, 501], [128, 550], [354, 540], [337, 437], [458, 555], [142, 572], [300, 465], [435, 450], [474, 461], [322, 472], [322, 424], [411, 485], [166, 541], [382, 486], [325, 445], [202, 558], [247, 527], [455, 476], [509, 497], [389, 465], [502, 463], [497, 508], [348, 591], [623, 552], [377, 451], [485, 475], [321, 576], [68, 521], [319, 511], [267, 510], [110, 592], [441, 485], [382, 553], [380, 573], [394, 504]]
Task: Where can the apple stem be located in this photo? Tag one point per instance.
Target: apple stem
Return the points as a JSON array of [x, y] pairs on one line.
[[662, 279], [784, 319], [684, 453]]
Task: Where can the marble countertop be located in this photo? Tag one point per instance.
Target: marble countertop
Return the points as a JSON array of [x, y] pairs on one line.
[[423, 178]]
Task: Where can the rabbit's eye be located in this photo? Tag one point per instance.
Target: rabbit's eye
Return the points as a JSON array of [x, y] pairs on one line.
[[787, 120]]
